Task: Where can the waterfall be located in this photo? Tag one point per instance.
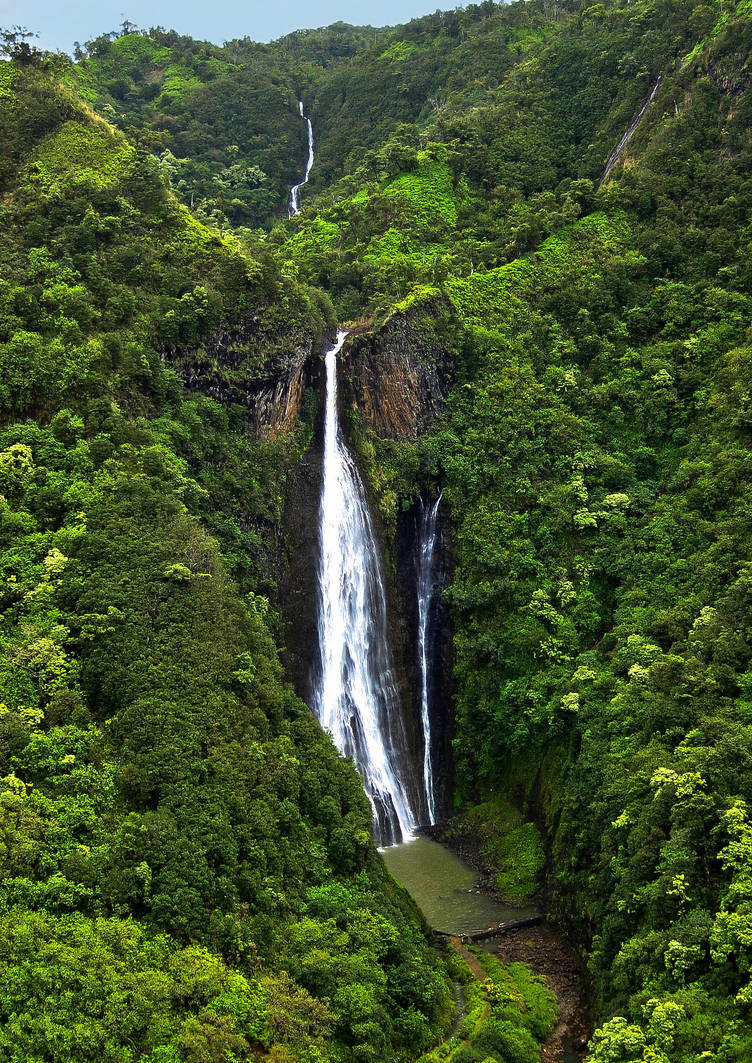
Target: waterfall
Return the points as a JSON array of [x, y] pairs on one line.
[[426, 586], [294, 204], [627, 135], [357, 699]]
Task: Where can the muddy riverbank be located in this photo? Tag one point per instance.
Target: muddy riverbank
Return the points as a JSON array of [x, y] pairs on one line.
[[547, 952]]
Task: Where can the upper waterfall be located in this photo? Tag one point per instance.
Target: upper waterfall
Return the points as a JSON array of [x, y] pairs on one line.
[[627, 135], [294, 204], [357, 699]]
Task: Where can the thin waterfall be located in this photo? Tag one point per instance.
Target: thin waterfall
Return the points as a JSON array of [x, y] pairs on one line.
[[426, 587], [293, 206], [627, 135], [357, 699]]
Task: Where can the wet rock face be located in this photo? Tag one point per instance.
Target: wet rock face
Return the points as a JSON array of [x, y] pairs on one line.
[[299, 549], [245, 365], [399, 376], [277, 402], [440, 647]]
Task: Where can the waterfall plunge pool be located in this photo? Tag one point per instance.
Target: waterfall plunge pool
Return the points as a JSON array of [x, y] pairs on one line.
[[443, 887]]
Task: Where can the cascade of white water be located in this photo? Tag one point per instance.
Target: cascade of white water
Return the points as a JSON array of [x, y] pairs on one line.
[[294, 204], [357, 699], [426, 586]]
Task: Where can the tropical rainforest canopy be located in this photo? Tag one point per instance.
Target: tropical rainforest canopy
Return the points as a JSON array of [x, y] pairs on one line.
[[186, 864]]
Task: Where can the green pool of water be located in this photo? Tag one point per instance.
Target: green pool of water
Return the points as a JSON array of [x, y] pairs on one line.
[[443, 887]]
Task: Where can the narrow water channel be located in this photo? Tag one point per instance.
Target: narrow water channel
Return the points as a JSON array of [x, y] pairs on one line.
[[443, 887]]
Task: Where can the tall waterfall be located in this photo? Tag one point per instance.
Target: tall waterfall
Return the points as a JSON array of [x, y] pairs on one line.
[[294, 204], [426, 586], [357, 699]]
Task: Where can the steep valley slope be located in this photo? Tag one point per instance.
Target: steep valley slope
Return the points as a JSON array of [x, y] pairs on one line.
[[565, 355]]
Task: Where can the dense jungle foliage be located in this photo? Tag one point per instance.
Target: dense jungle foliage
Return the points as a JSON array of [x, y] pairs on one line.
[[594, 453], [186, 870]]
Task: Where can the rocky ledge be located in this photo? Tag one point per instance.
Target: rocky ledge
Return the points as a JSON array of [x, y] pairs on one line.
[[249, 365], [400, 373]]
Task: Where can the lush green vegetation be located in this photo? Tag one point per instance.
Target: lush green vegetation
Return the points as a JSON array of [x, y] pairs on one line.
[[186, 870], [594, 457], [508, 1012], [596, 469], [510, 846], [224, 122], [598, 587]]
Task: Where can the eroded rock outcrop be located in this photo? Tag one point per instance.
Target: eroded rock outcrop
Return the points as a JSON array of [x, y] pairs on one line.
[[248, 365], [399, 375]]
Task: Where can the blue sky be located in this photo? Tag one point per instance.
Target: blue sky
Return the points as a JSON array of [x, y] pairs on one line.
[[61, 22]]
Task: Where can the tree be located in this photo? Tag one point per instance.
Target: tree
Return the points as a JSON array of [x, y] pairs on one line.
[[14, 43]]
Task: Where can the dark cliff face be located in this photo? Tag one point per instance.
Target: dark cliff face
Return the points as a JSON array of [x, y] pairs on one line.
[[398, 378], [439, 648], [248, 365], [298, 585], [299, 547], [400, 374]]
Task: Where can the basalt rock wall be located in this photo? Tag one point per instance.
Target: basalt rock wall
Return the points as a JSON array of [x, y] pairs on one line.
[[439, 647], [246, 365], [397, 378], [299, 547], [298, 585], [399, 375]]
